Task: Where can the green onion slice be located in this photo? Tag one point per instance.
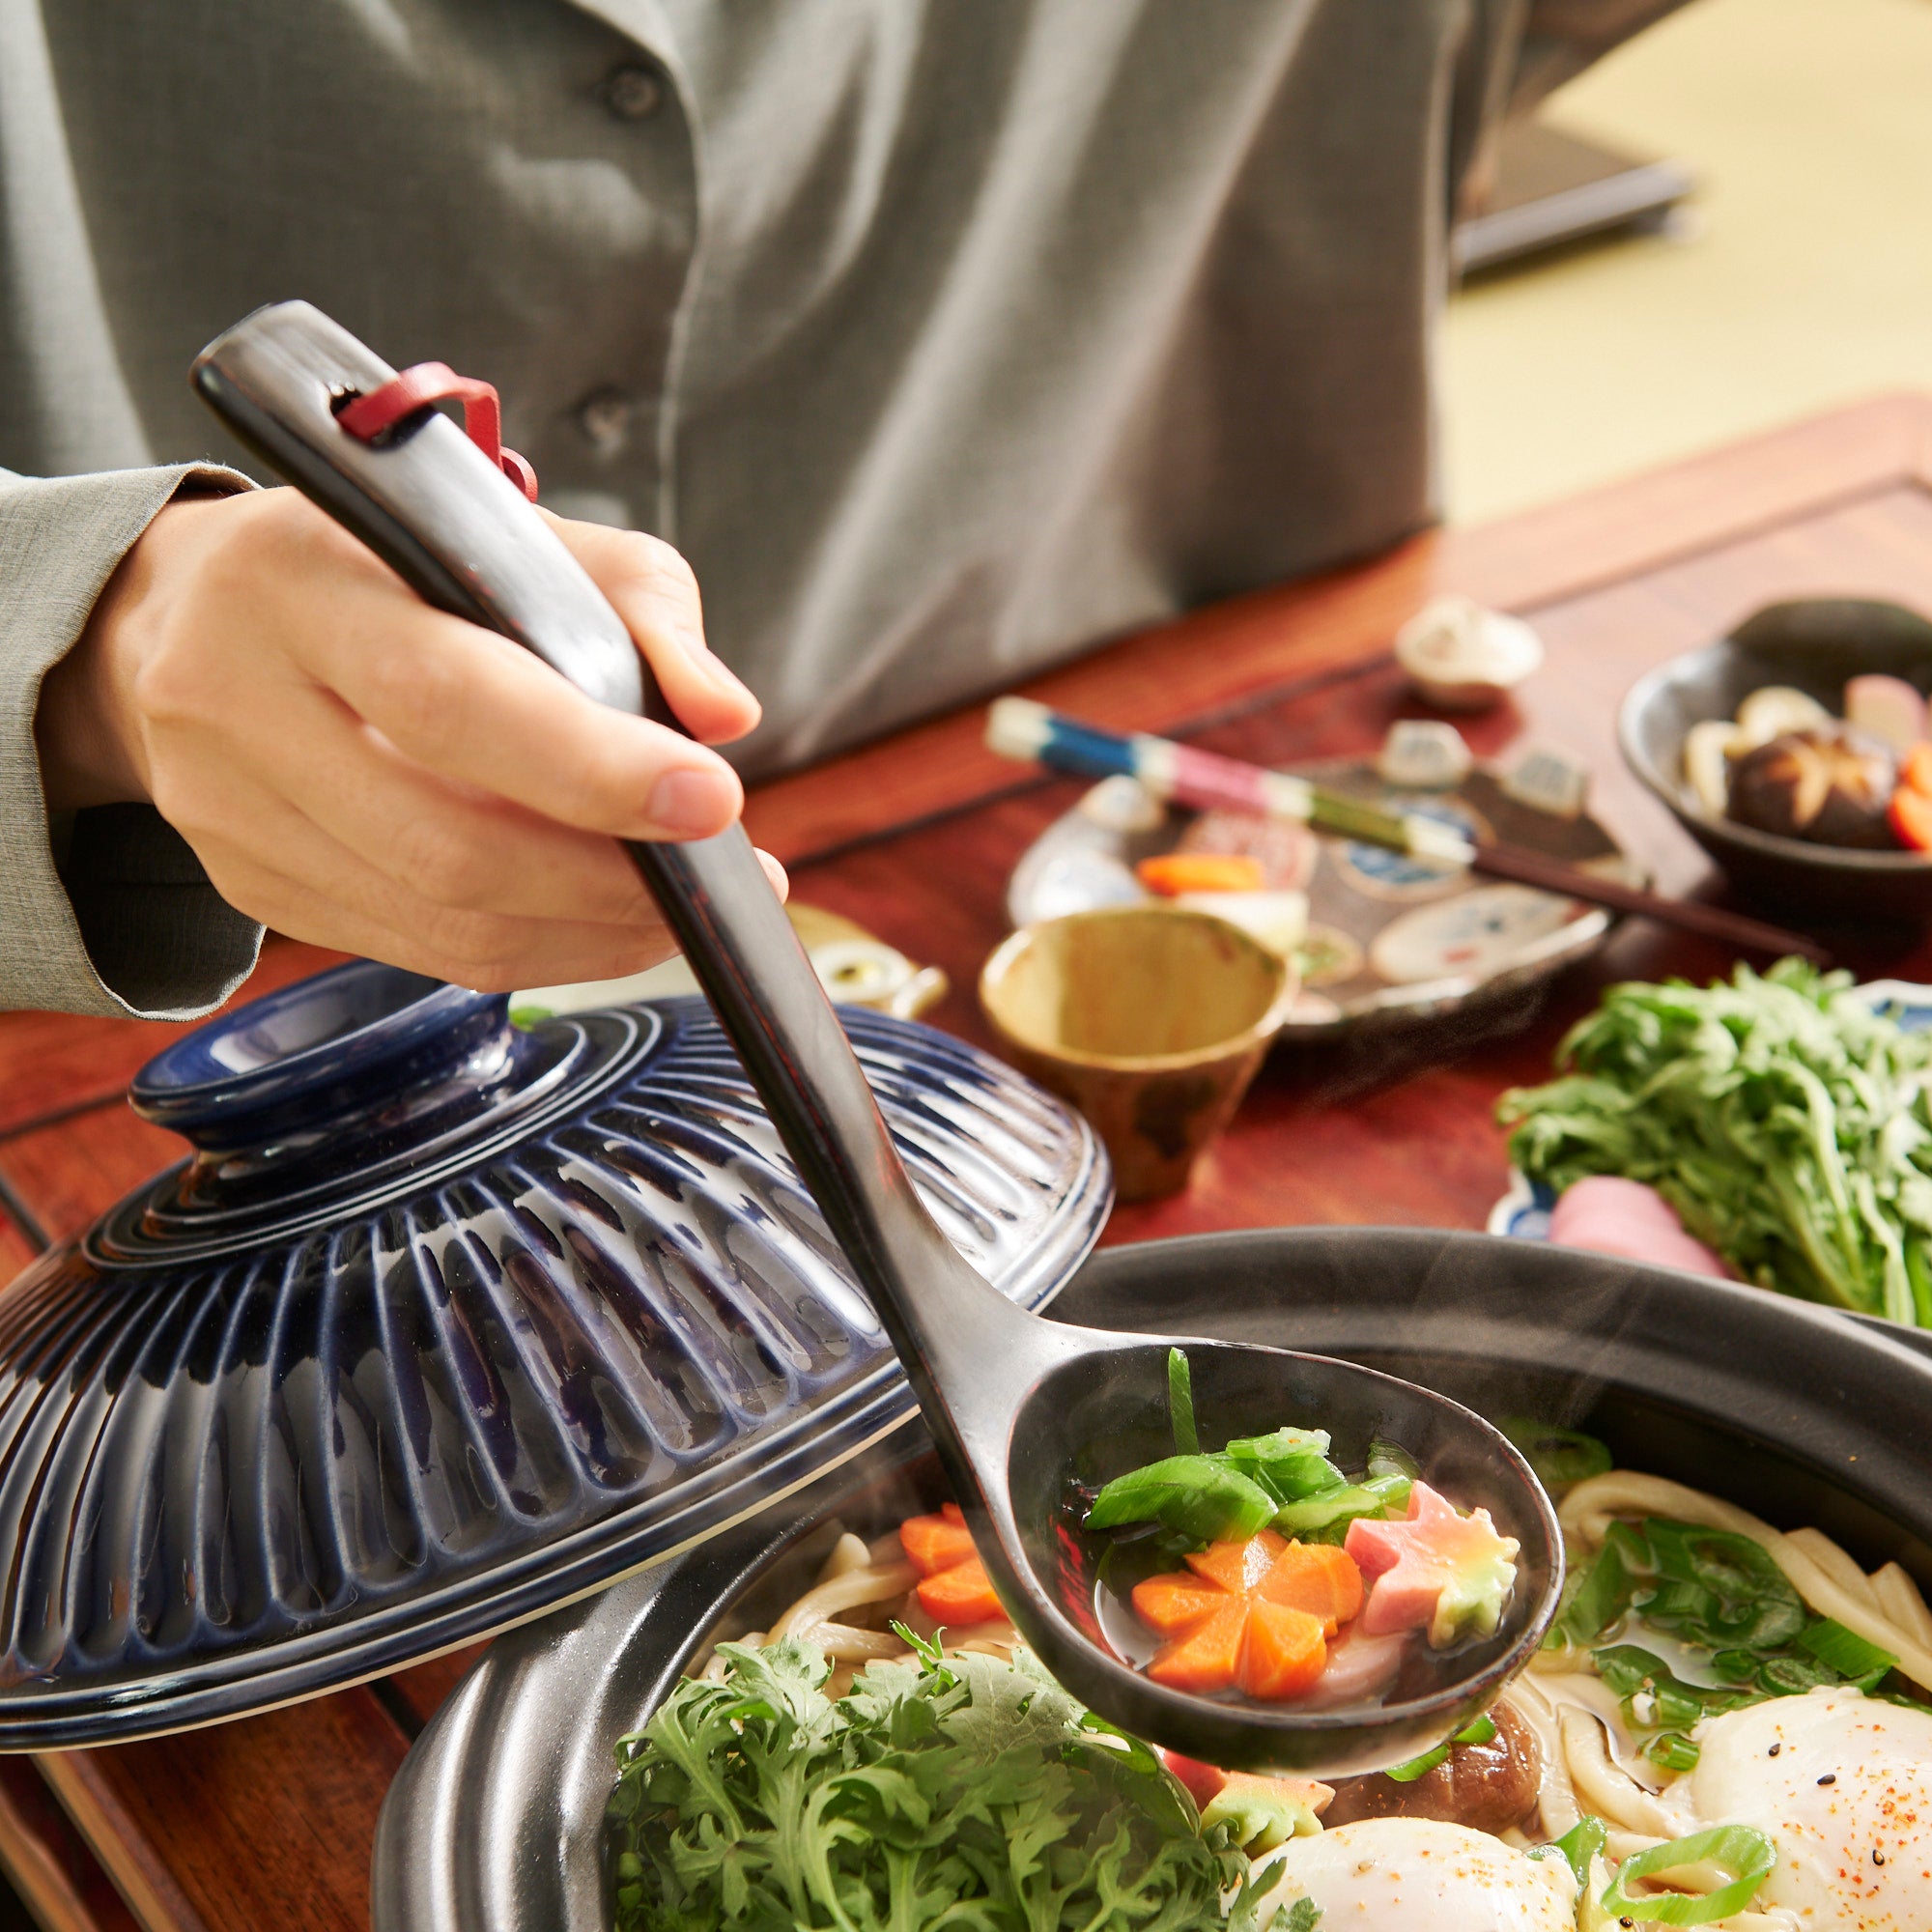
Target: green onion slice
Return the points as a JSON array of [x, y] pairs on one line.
[[1391, 1458], [1198, 1495], [1583, 1841], [1417, 1767], [1477, 1731], [1748, 1856], [1180, 1403], [1844, 1651], [1673, 1751], [1310, 1517], [1718, 1589], [1606, 1588]]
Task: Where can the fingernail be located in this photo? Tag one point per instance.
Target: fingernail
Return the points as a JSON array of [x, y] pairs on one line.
[[776, 873], [694, 802]]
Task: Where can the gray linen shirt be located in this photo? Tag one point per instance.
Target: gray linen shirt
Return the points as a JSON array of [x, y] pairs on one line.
[[946, 337]]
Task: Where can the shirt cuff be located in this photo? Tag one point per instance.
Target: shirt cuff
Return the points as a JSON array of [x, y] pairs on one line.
[[126, 921]]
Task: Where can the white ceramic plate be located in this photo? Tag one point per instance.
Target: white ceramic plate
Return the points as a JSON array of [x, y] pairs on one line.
[[1389, 937]]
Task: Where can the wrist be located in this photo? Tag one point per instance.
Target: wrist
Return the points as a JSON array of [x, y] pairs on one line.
[[84, 729], [82, 762]]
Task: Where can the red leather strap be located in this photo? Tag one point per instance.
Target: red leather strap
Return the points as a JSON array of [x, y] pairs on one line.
[[419, 387]]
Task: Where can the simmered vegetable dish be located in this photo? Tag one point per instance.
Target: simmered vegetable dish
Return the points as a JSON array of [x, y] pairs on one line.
[[1784, 764]]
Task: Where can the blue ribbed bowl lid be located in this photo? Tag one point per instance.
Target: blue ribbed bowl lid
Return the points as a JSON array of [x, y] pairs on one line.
[[447, 1322]]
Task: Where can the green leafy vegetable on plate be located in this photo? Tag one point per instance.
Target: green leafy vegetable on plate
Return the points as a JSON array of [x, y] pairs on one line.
[[957, 1790], [1784, 1120]]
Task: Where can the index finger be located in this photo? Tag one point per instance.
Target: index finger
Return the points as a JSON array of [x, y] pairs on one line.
[[472, 705], [655, 591]]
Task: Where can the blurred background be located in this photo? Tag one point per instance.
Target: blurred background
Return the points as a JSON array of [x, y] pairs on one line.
[[1795, 273]]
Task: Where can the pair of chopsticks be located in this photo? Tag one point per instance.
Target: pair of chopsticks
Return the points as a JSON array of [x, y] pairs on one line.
[[1033, 734]]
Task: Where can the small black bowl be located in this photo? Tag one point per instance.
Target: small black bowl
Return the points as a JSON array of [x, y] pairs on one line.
[[1814, 644]]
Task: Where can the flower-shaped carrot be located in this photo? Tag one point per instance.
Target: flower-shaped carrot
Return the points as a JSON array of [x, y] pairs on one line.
[[953, 1587], [1254, 1615]]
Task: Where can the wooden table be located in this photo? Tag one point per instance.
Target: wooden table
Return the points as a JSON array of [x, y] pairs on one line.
[[268, 1822]]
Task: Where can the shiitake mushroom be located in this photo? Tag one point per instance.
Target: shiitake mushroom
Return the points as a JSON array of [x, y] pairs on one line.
[[1826, 783], [1489, 1787]]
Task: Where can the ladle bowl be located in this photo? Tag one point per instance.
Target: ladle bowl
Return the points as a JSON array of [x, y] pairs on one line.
[[1013, 1404], [1104, 1410]]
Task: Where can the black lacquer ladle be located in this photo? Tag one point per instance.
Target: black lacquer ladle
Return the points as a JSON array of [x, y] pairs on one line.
[[1017, 1407]]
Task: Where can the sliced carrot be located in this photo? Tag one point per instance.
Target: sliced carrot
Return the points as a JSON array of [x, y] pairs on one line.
[[1208, 1657], [1282, 1652], [934, 1543], [1239, 1566], [1173, 874], [961, 1595], [1917, 768], [1910, 815], [1319, 1578], [952, 1513], [1172, 1604]]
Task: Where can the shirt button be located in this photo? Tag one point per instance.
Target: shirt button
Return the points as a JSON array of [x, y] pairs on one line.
[[603, 416], [633, 93]]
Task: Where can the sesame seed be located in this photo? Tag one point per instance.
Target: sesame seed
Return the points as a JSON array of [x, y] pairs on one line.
[[1830, 1778], [1774, 1751]]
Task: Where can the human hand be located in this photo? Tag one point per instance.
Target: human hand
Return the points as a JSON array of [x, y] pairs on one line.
[[355, 768]]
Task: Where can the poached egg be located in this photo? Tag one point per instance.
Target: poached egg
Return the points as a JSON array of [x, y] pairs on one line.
[[1844, 1784], [1406, 1874]]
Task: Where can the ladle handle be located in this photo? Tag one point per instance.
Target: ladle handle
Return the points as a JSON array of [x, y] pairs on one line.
[[430, 503]]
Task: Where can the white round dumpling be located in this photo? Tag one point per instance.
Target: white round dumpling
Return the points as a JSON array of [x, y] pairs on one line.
[[1844, 1784], [1408, 1874]]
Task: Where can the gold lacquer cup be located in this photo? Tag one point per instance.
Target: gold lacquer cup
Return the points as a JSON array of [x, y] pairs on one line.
[[1152, 1019]]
